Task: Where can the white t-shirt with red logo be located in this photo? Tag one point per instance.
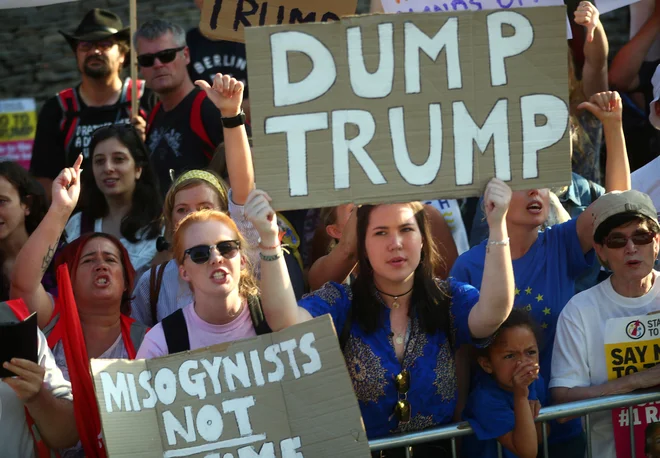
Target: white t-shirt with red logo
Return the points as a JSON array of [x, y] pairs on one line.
[[578, 358]]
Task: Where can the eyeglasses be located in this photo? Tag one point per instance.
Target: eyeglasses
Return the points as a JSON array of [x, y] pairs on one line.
[[101, 45], [639, 238], [201, 253], [165, 57], [402, 410]]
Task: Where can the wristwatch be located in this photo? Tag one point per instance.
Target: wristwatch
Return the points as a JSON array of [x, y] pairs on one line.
[[234, 121]]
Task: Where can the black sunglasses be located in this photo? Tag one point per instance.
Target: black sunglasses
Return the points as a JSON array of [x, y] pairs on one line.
[[165, 56], [201, 253], [639, 238], [403, 410]]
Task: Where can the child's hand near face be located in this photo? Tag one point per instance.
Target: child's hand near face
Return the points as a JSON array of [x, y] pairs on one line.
[[523, 376]]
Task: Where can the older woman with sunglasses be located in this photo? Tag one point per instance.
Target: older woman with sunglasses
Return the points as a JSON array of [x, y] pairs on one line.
[[207, 248], [399, 326]]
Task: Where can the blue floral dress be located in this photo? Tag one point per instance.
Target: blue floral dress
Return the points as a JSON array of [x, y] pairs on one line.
[[373, 365]]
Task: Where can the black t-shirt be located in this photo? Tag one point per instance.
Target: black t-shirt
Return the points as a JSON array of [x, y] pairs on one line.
[[173, 143], [208, 57], [50, 153]]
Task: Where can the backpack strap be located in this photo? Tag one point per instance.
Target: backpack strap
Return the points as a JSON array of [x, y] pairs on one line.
[[155, 281], [152, 116], [127, 94], [257, 315], [176, 332], [70, 105], [197, 125]]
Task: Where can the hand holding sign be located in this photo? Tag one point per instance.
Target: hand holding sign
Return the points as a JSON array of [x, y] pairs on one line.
[[226, 94], [140, 126], [606, 106], [587, 15], [262, 216], [29, 381], [496, 198], [66, 187]]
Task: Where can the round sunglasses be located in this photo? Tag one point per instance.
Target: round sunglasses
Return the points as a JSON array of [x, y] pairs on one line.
[[619, 240], [200, 254], [165, 57]]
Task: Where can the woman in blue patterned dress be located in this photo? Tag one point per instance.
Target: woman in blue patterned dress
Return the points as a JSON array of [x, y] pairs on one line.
[[400, 326]]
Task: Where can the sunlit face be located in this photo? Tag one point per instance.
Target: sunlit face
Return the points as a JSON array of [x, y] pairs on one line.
[[99, 59], [512, 348], [631, 262], [195, 198], [393, 243], [219, 275], [114, 168], [12, 210], [100, 275], [161, 77], [529, 208]]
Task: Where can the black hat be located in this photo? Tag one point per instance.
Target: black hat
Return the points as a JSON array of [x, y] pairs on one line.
[[97, 25]]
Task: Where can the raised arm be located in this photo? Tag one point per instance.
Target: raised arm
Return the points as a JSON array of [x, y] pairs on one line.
[[340, 262], [596, 49], [608, 108], [277, 297], [497, 286], [624, 69], [37, 253], [227, 95]]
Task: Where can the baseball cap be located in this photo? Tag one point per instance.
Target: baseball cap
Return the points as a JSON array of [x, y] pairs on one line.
[[654, 119], [617, 202]]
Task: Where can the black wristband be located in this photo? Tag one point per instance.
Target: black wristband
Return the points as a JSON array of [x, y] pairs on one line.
[[234, 121]]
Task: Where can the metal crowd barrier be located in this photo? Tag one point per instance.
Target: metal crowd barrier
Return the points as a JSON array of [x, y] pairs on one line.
[[571, 409]]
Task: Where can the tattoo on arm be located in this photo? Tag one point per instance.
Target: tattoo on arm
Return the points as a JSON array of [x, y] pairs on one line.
[[45, 262]]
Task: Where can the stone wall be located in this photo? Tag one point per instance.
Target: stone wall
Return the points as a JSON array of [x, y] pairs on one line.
[[35, 60]]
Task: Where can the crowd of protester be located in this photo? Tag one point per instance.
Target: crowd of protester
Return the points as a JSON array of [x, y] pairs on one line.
[[138, 235]]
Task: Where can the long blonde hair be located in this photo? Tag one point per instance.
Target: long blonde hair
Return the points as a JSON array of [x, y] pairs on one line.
[[247, 284]]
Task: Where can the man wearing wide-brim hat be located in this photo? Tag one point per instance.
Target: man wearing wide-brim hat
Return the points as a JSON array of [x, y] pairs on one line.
[[67, 121]]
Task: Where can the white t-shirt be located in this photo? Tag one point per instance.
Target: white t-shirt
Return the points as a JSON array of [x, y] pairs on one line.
[[140, 253], [640, 12], [578, 358], [647, 180], [15, 438]]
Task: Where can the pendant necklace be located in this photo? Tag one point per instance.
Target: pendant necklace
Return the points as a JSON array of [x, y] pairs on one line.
[[395, 303]]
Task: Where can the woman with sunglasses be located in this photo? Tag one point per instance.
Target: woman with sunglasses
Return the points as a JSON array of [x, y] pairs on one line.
[[90, 316], [121, 195], [207, 248], [398, 324], [161, 291], [547, 263]]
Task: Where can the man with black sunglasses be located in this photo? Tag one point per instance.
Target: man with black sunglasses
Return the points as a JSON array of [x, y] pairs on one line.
[[627, 241], [67, 121], [185, 127]]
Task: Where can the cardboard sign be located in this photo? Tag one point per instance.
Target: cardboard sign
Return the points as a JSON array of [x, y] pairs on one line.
[[632, 344], [401, 107], [282, 395], [427, 6], [227, 19], [18, 125]]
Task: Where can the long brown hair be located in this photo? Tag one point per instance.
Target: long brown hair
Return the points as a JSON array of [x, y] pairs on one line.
[[430, 299]]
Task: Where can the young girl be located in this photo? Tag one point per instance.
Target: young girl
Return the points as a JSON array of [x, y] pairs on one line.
[[508, 396]]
